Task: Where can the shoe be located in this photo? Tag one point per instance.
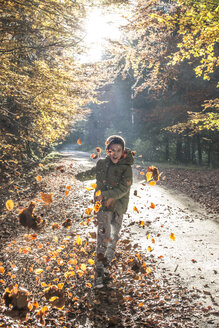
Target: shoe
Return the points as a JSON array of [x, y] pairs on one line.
[[98, 282]]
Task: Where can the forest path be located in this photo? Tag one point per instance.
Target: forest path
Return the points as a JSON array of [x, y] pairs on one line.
[[194, 255]]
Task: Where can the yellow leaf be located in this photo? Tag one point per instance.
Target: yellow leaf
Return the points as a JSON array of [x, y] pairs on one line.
[[149, 248], [98, 193], [43, 284], [56, 239], [69, 274], [172, 236], [38, 271], [88, 284], [53, 298], [38, 178], [148, 270], [9, 204], [79, 240], [83, 267], [142, 223], [140, 304], [152, 183], [149, 176], [148, 236], [91, 262]]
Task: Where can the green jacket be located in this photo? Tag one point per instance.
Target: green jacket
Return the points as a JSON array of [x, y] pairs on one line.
[[114, 181]]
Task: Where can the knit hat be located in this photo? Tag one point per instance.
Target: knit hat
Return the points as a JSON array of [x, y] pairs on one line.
[[112, 140]]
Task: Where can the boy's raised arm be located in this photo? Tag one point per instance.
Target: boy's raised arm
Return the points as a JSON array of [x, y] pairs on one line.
[[87, 175]]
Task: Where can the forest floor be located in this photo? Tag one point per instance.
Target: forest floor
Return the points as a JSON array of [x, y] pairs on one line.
[[155, 281]]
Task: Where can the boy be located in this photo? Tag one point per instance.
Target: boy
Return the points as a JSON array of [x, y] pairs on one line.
[[113, 179]]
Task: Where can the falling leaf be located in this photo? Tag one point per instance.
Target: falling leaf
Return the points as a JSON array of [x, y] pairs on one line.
[[88, 188], [79, 142], [53, 298], [38, 271], [79, 240], [68, 187], [164, 178], [33, 236], [9, 204], [2, 270], [38, 178], [152, 205], [94, 185], [148, 236], [148, 270], [56, 239], [142, 173], [97, 206], [98, 193], [152, 183], [60, 285], [142, 223], [135, 209], [140, 304], [88, 211], [91, 262], [153, 240], [93, 156], [98, 149], [149, 248], [66, 192], [47, 198], [149, 176], [43, 284], [172, 236]]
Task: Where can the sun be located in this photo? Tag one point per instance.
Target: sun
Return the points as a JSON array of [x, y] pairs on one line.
[[99, 28]]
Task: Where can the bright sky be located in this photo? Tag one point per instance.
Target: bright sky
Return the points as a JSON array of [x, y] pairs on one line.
[[98, 28]]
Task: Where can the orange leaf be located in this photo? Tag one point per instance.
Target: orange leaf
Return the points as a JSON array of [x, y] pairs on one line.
[[135, 209], [47, 198], [60, 285], [142, 223], [142, 173], [55, 225], [97, 206], [172, 236], [79, 142], [33, 236], [68, 187], [38, 178], [153, 240], [2, 281], [88, 285], [152, 205], [88, 210], [98, 149], [94, 185], [152, 183], [164, 178], [2, 270], [140, 304], [9, 205], [66, 192]]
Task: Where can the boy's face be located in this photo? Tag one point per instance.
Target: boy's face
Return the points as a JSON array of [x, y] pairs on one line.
[[115, 153]]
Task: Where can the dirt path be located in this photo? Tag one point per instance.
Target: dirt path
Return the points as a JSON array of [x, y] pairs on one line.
[[173, 284]]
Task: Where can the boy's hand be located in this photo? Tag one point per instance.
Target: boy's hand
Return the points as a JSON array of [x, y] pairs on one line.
[[109, 202]]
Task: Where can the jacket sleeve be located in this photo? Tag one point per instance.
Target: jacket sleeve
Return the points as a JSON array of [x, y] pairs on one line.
[[87, 175], [123, 188]]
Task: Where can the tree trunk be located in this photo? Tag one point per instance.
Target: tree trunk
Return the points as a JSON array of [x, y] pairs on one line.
[[179, 148], [187, 149], [167, 149], [199, 150], [193, 151]]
